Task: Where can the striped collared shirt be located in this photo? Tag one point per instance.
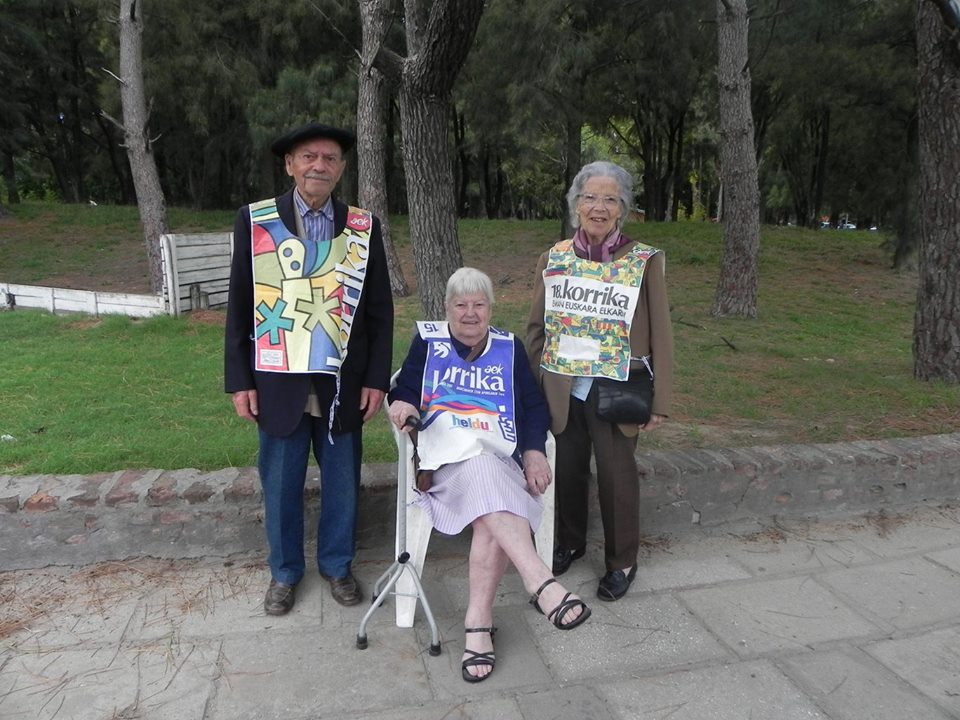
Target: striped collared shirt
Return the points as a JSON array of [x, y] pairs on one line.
[[317, 224]]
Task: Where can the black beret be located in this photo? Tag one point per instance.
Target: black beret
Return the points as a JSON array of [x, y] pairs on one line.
[[282, 145]]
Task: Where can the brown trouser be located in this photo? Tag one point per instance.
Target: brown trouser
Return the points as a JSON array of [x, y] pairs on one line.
[[617, 484]]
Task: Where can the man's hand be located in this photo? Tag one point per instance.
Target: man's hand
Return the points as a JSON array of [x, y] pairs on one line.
[[246, 404], [370, 402]]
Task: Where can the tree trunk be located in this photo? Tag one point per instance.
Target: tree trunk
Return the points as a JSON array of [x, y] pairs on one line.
[[437, 45], [146, 181], [572, 156], [675, 180], [904, 217], [10, 178], [936, 331], [820, 172], [737, 287], [431, 194], [463, 164], [372, 109], [121, 170], [492, 184]]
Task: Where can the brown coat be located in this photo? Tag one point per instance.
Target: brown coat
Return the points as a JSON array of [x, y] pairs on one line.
[[650, 334]]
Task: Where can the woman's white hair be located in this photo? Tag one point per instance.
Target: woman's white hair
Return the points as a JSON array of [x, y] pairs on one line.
[[467, 281], [601, 168]]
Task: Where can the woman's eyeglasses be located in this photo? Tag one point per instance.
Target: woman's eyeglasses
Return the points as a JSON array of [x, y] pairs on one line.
[[608, 201]]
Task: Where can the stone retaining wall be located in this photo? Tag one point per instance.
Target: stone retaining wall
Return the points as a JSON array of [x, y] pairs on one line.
[[71, 519]]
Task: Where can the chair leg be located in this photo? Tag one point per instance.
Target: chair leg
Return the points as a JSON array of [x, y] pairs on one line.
[[418, 538], [544, 535]]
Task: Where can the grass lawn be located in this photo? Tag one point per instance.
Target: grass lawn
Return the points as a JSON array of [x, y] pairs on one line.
[[828, 358]]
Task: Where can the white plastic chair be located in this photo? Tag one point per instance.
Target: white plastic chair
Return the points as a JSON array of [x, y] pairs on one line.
[[419, 528]]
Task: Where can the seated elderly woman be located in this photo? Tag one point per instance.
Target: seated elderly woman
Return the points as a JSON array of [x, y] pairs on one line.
[[483, 429]]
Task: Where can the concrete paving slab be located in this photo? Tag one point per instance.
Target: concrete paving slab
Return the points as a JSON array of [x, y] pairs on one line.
[[160, 681], [787, 614], [930, 662], [264, 675], [754, 690], [850, 685], [631, 636], [198, 604], [778, 551], [461, 709], [905, 593], [672, 651], [947, 558], [909, 533], [668, 572], [519, 662], [44, 611], [574, 701]]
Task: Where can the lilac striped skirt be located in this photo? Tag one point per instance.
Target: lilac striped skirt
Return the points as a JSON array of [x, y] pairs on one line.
[[481, 485]]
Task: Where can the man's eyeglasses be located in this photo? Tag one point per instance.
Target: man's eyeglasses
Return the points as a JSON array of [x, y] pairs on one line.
[[608, 201]]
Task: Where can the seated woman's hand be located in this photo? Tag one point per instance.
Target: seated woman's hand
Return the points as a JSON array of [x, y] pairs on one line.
[[399, 412], [536, 470]]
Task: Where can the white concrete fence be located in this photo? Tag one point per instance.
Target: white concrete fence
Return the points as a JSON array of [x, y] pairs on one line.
[[196, 275]]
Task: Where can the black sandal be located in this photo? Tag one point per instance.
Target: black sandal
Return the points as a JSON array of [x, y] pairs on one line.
[[557, 615], [478, 659]]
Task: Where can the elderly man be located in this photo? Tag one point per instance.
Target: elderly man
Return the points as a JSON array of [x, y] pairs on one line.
[[308, 346]]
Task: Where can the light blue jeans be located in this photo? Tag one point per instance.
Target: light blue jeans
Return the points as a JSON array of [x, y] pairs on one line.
[[282, 463]]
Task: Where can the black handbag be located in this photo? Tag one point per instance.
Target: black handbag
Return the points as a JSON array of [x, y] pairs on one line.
[[625, 401]]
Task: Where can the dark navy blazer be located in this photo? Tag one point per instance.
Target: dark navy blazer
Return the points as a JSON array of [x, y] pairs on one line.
[[283, 396]]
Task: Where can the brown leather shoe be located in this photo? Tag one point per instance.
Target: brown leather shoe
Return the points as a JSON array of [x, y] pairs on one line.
[[280, 598], [345, 590]]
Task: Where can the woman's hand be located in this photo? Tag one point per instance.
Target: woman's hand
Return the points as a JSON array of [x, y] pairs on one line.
[[536, 470], [399, 412], [653, 423]]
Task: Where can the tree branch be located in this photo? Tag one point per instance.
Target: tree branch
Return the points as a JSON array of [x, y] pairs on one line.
[[335, 28], [115, 77], [117, 123], [758, 57], [389, 63]]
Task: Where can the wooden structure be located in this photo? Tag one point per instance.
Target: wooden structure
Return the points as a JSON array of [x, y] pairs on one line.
[[196, 275], [196, 270]]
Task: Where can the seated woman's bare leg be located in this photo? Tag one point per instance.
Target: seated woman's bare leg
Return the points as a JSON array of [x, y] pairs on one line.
[[487, 565], [512, 534]]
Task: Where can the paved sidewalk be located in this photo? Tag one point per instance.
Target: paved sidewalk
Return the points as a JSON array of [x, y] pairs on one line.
[[849, 620]]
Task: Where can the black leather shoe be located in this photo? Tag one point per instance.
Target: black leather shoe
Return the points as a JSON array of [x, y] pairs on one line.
[[563, 558], [614, 584], [345, 590], [279, 599]]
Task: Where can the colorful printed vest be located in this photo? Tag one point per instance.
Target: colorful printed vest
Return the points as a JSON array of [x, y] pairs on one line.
[[466, 408], [589, 310], [305, 293]]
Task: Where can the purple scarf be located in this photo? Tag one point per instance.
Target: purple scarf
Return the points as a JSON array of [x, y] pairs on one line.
[[602, 252]]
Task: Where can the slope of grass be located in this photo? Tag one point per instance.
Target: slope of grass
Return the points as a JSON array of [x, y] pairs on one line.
[[827, 359]]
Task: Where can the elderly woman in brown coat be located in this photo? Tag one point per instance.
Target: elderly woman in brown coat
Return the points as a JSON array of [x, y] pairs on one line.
[[600, 314]]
